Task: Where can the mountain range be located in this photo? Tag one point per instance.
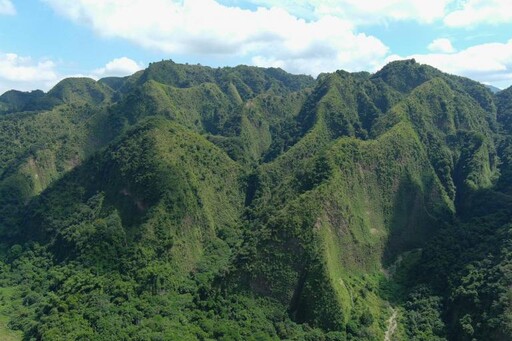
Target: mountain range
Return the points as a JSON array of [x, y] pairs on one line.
[[186, 202]]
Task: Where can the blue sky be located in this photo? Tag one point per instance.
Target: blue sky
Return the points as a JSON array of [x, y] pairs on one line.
[[43, 41]]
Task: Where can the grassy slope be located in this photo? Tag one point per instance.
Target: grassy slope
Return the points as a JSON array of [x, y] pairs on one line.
[[7, 334], [342, 228], [375, 201]]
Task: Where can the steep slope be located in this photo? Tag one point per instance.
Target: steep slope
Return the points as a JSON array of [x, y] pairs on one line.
[[39, 147], [323, 220], [56, 133], [158, 178], [159, 206], [405, 76], [236, 107], [315, 253], [455, 131], [371, 199], [504, 104]]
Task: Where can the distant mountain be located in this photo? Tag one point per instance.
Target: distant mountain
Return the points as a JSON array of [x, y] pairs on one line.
[[238, 203], [493, 89], [13, 100]]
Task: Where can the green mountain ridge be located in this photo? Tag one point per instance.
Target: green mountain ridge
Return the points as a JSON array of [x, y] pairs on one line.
[[188, 202]]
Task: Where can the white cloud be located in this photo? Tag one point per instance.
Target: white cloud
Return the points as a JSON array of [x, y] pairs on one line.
[[442, 45], [361, 11], [23, 73], [300, 36], [6, 7], [207, 28], [487, 63], [473, 12], [325, 53], [118, 67]]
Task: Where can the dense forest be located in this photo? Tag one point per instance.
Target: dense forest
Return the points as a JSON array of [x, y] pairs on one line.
[[193, 203]]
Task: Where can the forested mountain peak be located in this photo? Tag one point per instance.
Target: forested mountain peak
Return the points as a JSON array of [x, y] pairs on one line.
[[73, 90], [17, 99], [405, 75]]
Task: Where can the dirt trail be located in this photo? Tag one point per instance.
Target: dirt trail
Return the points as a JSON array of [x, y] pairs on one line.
[[392, 325]]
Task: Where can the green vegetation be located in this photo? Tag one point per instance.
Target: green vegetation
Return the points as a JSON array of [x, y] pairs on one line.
[[192, 203], [13, 100]]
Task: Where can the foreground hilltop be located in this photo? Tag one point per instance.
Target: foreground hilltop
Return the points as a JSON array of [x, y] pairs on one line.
[[188, 202]]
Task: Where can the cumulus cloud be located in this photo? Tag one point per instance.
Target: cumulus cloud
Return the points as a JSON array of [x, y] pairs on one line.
[[442, 45], [118, 67], [7, 8], [23, 73], [26, 74], [364, 11], [300, 36], [267, 36], [324, 53], [473, 12], [488, 63]]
